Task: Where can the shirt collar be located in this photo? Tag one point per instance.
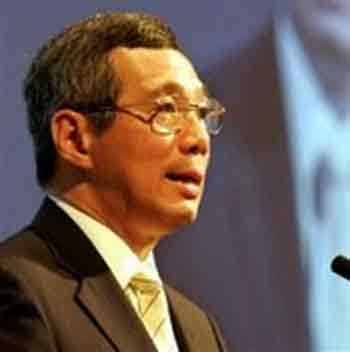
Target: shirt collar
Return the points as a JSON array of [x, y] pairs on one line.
[[118, 256]]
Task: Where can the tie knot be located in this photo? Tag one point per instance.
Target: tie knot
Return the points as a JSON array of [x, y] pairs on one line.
[[144, 284]]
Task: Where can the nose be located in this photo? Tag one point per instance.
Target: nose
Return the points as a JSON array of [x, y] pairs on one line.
[[194, 138]]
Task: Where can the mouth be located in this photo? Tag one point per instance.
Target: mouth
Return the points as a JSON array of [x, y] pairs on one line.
[[189, 176], [188, 181]]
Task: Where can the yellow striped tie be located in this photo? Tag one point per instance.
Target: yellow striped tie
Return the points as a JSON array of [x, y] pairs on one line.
[[150, 304]]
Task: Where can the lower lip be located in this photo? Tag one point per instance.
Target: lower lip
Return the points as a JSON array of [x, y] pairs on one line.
[[189, 190]]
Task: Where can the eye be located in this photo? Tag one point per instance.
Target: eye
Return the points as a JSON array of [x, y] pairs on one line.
[[167, 107], [203, 112]]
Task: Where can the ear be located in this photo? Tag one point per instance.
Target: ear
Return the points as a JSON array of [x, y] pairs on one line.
[[72, 135]]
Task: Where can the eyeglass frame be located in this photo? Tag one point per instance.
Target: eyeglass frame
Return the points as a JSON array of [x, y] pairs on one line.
[[218, 107]]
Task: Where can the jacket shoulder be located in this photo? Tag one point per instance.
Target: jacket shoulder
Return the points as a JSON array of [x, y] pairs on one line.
[[24, 246]]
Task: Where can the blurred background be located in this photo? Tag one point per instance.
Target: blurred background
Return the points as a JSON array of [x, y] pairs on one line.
[[277, 206]]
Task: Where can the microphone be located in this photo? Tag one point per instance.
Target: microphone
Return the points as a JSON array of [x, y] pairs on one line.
[[341, 266]]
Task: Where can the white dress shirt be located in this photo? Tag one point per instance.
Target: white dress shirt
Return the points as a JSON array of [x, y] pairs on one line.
[[119, 258], [316, 132]]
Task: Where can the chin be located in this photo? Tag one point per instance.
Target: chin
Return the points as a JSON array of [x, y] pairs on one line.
[[167, 215], [182, 215]]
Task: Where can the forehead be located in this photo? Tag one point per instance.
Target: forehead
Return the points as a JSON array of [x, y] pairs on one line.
[[147, 72]]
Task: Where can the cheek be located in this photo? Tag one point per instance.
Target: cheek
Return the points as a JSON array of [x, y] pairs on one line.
[[149, 149], [134, 155], [136, 140]]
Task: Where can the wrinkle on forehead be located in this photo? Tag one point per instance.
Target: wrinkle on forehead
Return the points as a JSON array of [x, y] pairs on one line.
[[154, 72]]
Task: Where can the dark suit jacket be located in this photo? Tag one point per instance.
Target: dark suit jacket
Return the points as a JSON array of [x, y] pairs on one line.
[[56, 294], [246, 237]]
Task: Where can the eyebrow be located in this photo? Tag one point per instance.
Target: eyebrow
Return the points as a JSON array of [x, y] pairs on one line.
[[172, 87]]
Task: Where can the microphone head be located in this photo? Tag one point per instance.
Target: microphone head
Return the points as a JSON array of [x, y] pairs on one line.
[[341, 266]]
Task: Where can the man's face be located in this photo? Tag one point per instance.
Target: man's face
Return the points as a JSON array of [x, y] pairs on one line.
[[327, 22], [134, 166]]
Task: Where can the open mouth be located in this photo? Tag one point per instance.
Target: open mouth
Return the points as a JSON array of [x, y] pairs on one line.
[[193, 177]]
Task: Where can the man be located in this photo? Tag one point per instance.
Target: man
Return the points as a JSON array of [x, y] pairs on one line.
[[279, 193], [120, 123]]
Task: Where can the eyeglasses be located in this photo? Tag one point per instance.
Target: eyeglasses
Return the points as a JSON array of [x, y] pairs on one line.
[[167, 117]]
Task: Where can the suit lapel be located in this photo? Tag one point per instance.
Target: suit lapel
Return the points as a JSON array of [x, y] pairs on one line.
[[98, 293], [104, 301], [192, 334]]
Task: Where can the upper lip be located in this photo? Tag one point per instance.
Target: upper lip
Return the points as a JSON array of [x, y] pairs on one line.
[[192, 175]]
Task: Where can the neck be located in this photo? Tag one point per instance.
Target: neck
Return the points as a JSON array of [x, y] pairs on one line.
[[140, 243]]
